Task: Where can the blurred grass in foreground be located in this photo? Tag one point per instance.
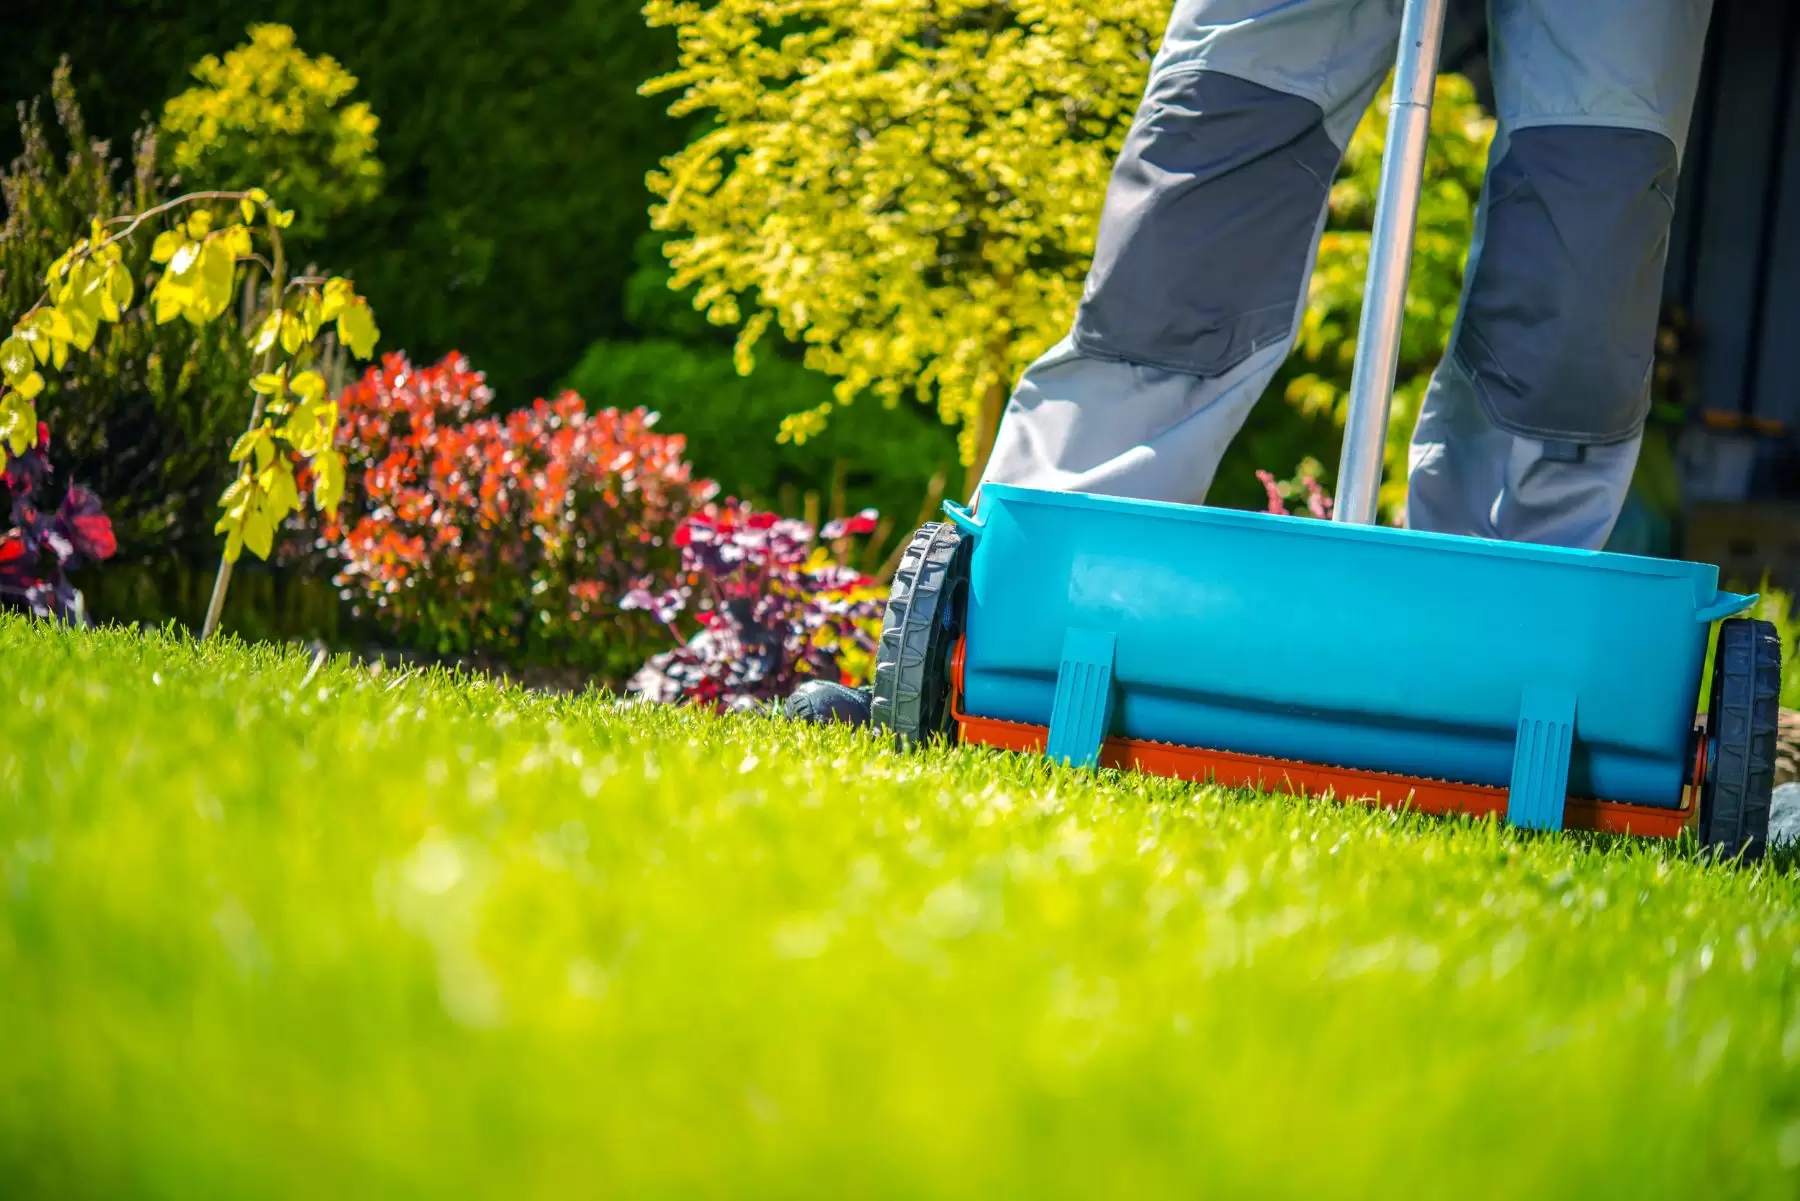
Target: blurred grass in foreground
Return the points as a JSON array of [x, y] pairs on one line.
[[266, 932]]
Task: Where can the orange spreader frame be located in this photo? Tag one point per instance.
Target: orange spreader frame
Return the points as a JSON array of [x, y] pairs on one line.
[[1283, 775]]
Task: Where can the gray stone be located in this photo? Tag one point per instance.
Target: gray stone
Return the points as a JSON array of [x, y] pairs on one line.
[[1784, 815]]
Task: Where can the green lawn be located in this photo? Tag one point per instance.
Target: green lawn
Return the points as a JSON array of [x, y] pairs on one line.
[[266, 932]]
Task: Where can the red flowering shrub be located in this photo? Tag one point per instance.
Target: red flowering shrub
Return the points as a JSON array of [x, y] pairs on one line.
[[517, 535], [771, 611], [44, 545]]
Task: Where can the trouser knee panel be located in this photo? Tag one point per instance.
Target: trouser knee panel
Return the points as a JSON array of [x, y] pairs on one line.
[[1208, 225], [1558, 326]]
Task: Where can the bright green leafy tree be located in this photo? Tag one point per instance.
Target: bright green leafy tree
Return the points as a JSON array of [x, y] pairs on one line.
[[269, 112], [910, 189]]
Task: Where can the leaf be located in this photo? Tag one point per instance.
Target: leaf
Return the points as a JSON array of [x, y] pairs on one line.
[[248, 209], [247, 442], [34, 331], [258, 196], [356, 325], [56, 324], [293, 335], [30, 386], [119, 285], [169, 298], [234, 542], [166, 244], [50, 334], [266, 333], [83, 325], [310, 309], [268, 383], [186, 259], [84, 300], [217, 268], [338, 293], [32, 335], [199, 222], [284, 218], [309, 385], [284, 493], [54, 275], [15, 358], [328, 480], [312, 427], [18, 423], [863, 523], [259, 534]]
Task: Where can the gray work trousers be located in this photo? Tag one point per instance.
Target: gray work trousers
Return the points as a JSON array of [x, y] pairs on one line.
[[1530, 428]]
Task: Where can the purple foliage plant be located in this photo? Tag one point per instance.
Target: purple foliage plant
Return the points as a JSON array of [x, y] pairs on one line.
[[45, 544], [771, 610]]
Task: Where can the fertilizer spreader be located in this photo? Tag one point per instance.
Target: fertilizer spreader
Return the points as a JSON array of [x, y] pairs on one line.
[[1551, 687]]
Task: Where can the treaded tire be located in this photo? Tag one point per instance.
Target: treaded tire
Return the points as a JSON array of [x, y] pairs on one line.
[[919, 629], [1742, 717]]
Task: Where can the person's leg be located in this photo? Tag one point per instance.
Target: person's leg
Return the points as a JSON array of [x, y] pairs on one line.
[[1531, 427], [1208, 236]]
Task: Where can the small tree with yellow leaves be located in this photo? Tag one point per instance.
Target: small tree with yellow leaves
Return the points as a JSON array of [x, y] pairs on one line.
[[206, 251], [910, 189], [269, 113]]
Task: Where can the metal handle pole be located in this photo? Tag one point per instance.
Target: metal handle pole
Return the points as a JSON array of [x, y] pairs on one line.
[[1390, 258]]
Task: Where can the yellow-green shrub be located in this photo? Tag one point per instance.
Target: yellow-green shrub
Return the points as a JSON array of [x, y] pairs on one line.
[[268, 113]]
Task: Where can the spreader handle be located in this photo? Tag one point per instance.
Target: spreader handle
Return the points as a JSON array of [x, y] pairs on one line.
[[1390, 256]]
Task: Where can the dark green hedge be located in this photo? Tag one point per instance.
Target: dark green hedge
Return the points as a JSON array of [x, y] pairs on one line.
[[514, 141]]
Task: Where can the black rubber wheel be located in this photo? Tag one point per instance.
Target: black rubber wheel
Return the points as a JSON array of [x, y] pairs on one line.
[[1742, 719], [919, 629]]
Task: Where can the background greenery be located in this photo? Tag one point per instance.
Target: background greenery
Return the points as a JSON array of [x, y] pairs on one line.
[[869, 455], [513, 139], [511, 223]]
